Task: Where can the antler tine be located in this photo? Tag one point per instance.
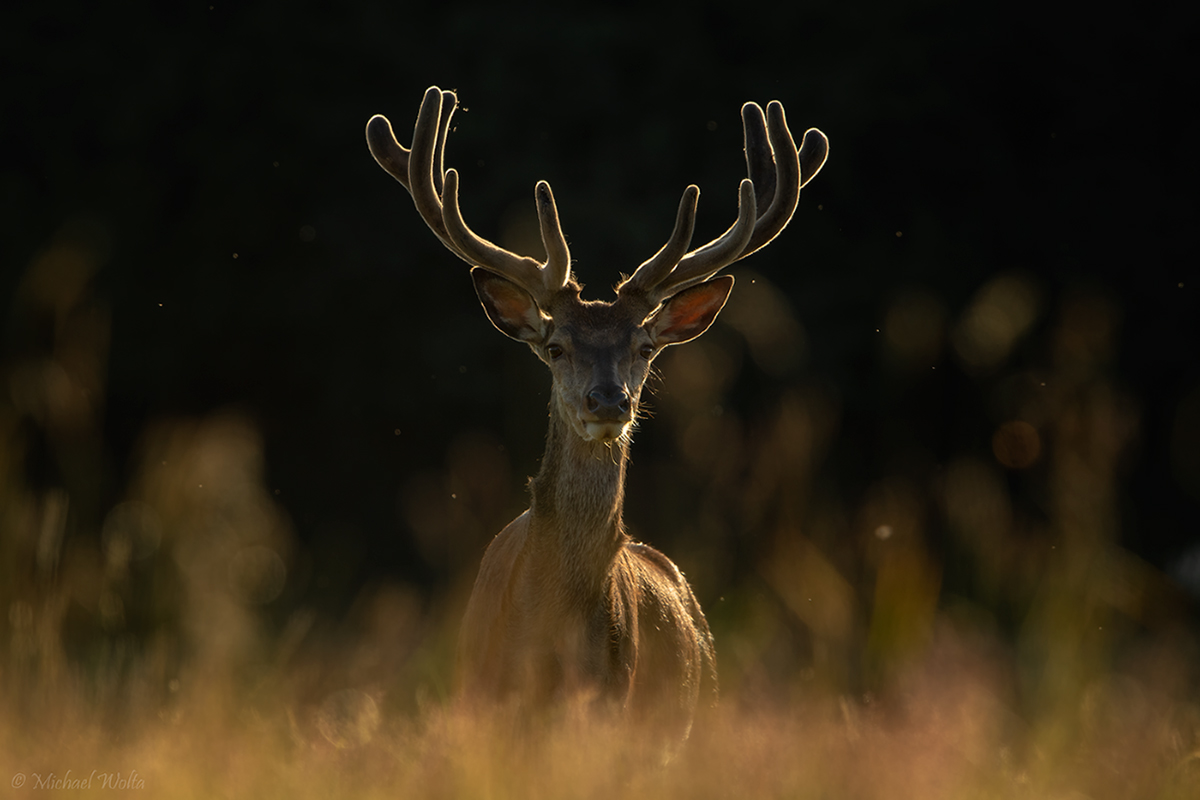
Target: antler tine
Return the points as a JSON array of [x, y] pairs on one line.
[[777, 172], [760, 160], [415, 168], [702, 263], [653, 270], [813, 152], [422, 184], [388, 153], [474, 249], [557, 271], [786, 192], [449, 104], [435, 193]]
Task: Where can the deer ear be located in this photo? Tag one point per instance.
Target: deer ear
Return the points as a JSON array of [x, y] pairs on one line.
[[689, 313], [510, 308]]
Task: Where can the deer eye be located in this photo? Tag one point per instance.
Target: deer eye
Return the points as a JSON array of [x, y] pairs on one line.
[[646, 351], [554, 350]]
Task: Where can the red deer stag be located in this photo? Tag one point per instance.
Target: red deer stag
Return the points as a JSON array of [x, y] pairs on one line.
[[566, 604]]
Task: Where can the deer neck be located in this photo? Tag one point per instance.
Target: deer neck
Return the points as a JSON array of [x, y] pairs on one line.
[[578, 498]]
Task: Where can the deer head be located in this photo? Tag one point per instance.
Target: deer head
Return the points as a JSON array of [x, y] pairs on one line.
[[599, 353]]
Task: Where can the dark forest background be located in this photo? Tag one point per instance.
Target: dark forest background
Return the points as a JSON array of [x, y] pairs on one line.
[[192, 229]]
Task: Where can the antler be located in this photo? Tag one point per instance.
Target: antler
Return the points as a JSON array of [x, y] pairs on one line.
[[435, 194], [777, 173]]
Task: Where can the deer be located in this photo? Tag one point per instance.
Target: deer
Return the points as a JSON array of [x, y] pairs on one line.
[[566, 603]]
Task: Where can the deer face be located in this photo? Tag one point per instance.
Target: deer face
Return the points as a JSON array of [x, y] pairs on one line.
[[599, 354]]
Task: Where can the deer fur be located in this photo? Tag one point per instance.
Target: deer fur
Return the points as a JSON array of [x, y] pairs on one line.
[[566, 605]]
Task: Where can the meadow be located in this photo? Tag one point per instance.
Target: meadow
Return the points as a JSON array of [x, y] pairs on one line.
[[936, 640]]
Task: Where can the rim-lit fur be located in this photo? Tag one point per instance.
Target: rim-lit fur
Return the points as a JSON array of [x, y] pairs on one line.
[[567, 606]]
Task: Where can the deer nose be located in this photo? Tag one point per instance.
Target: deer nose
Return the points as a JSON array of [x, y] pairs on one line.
[[608, 402]]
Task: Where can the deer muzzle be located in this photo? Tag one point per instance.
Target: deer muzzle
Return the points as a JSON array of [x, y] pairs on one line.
[[608, 412]]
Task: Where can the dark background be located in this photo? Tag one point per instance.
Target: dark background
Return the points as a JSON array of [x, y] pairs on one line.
[[252, 257]]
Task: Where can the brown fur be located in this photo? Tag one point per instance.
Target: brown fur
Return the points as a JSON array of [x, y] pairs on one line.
[[566, 606]]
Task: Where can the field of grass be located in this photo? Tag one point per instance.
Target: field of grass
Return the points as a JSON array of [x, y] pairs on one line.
[[935, 640], [946, 729], [149, 666]]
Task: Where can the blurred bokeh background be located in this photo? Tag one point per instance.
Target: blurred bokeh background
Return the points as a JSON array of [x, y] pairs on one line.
[[255, 431]]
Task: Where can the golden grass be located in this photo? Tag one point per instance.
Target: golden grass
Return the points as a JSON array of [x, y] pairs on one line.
[[135, 646], [948, 726]]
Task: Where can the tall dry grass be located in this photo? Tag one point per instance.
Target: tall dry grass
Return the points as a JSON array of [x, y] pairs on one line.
[[160, 650]]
